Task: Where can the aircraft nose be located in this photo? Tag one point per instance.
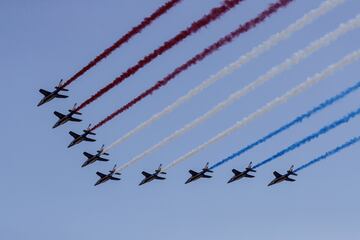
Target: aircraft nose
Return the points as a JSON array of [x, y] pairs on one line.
[[231, 180], [56, 125], [40, 103]]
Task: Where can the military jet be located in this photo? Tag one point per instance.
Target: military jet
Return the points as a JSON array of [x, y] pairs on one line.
[[149, 177], [107, 177], [83, 137], [48, 96], [198, 175], [97, 157], [280, 178], [65, 118], [239, 175]]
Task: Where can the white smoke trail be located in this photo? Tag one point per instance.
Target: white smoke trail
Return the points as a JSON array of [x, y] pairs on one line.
[[294, 59], [309, 17], [267, 107]]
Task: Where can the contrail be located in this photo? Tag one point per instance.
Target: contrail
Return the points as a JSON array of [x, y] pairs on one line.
[[294, 59], [311, 137], [125, 38], [200, 56], [348, 59], [329, 153], [214, 14], [254, 53], [297, 120]]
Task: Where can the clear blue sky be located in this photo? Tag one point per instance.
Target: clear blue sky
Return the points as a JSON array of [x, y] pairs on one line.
[[45, 194]]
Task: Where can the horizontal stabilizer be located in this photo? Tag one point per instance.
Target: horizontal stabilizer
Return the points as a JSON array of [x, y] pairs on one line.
[[74, 135], [44, 92], [100, 174], [59, 115]]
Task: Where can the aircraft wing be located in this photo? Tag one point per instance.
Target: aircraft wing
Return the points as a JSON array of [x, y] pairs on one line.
[[100, 174], [114, 178], [59, 115], [290, 179], [145, 174], [192, 172], [103, 159], [75, 119], [249, 176], [89, 139], [276, 174], [206, 176], [160, 178], [236, 172], [74, 135], [88, 155], [61, 96], [44, 92]]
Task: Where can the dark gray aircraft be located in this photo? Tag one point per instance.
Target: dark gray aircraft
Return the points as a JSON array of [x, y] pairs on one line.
[[239, 175], [201, 174], [48, 96], [107, 177], [149, 177], [83, 137], [280, 178], [97, 157], [65, 118]]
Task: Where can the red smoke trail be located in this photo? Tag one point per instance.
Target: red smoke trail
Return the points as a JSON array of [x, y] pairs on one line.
[[135, 30], [214, 14], [200, 56]]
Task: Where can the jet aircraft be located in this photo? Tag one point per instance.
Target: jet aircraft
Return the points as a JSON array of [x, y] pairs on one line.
[[149, 177], [198, 175], [107, 177], [65, 118], [48, 96], [239, 175], [97, 157], [83, 137], [280, 178]]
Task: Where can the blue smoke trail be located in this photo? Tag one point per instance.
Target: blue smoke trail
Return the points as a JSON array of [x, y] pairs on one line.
[[297, 120], [329, 153], [307, 139]]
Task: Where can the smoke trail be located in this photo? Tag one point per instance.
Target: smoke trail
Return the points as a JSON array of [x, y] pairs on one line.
[[329, 153], [206, 52], [255, 52], [125, 38], [270, 105], [297, 120], [311, 137], [214, 14], [294, 59]]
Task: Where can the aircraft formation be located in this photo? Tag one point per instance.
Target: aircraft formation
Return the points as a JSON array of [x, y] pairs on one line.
[[248, 172]]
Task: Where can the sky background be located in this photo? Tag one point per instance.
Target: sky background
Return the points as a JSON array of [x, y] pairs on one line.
[[45, 194]]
